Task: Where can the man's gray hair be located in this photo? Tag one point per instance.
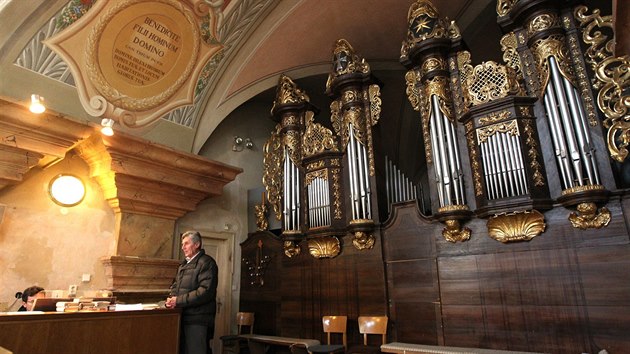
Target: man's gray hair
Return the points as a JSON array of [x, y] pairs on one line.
[[195, 236]]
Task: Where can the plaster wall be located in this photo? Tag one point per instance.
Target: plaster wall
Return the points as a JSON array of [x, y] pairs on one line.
[[42, 243]]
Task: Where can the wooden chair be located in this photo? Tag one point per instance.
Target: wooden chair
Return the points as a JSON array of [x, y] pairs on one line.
[[233, 344], [370, 325], [332, 324]]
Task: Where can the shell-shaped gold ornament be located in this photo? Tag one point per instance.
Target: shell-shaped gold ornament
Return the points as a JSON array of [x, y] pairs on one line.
[[517, 226], [324, 247]]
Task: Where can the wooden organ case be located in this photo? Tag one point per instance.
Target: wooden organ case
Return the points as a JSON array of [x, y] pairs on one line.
[[527, 245]]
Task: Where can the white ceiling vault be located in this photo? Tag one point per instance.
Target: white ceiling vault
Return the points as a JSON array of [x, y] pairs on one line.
[[262, 39]]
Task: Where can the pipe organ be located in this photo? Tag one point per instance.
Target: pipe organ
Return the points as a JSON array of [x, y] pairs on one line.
[[502, 141]]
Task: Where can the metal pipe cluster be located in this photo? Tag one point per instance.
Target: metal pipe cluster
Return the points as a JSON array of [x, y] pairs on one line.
[[569, 131], [291, 194], [447, 165], [359, 178], [398, 186], [503, 165], [318, 203]]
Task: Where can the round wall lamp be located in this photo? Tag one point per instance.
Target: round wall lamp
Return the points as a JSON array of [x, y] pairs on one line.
[[66, 190]]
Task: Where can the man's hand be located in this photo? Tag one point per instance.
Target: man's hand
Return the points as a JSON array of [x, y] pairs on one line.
[[171, 301]]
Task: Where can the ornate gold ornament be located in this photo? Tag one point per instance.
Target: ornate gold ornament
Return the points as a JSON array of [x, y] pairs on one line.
[[454, 232], [539, 178], [472, 148], [439, 87], [324, 247], [261, 215], [495, 117], [290, 119], [426, 119], [509, 127], [336, 192], [490, 81], [542, 22], [453, 207], [453, 30], [363, 241], [291, 249], [612, 74], [288, 92], [317, 138], [584, 188], [511, 57], [315, 165], [525, 111], [374, 94], [587, 217], [323, 174], [552, 46], [273, 176], [345, 61], [516, 226], [413, 93], [292, 144], [583, 80], [504, 6], [433, 63]]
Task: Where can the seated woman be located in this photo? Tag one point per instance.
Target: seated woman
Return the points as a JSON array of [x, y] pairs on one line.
[[29, 295]]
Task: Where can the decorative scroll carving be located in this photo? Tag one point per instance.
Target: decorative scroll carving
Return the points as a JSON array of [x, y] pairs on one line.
[[292, 144], [439, 86], [472, 147], [324, 247], [510, 127], [291, 249], [336, 192], [516, 226], [261, 215], [583, 80], [345, 61], [317, 138], [273, 159], [315, 165], [374, 94], [542, 22], [612, 74], [454, 232], [363, 241], [490, 81], [323, 174], [510, 55], [288, 92], [552, 46], [495, 117], [433, 63], [413, 93], [539, 178], [424, 23], [504, 6], [587, 217], [256, 268]]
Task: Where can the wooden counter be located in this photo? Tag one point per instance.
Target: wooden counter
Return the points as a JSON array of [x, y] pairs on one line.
[[148, 331]]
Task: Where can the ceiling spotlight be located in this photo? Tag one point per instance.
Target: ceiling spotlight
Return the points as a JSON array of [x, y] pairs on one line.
[[107, 126], [37, 104]]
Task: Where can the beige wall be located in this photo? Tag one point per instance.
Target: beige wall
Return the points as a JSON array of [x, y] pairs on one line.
[[44, 244]]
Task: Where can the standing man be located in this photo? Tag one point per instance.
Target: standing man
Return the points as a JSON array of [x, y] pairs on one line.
[[195, 291]]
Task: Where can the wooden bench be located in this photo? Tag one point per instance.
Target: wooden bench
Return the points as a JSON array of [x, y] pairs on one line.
[[260, 344], [407, 348]]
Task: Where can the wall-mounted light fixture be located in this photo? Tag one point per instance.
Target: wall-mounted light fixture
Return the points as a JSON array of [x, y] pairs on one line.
[[66, 190], [107, 125], [240, 143], [37, 104]]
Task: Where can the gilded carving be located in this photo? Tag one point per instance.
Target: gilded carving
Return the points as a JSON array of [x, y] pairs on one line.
[[315, 165], [525, 111], [350, 96], [472, 147], [290, 119], [542, 22], [552, 46], [433, 63], [453, 30], [336, 192], [324, 247], [504, 6], [260, 210], [345, 61], [323, 174], [317, 138], [587, 217], [288, 92], [413, 94], [516, 226], [273, 176], [439, 87], [495, 117], [291, 249], [510, 55], [375, 104], [583, 81], [426, 118], [532, 152], [291, 140], [584, 188], [490, 81], [509, 127], [612, 74], [454, 232], [363, 241]]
